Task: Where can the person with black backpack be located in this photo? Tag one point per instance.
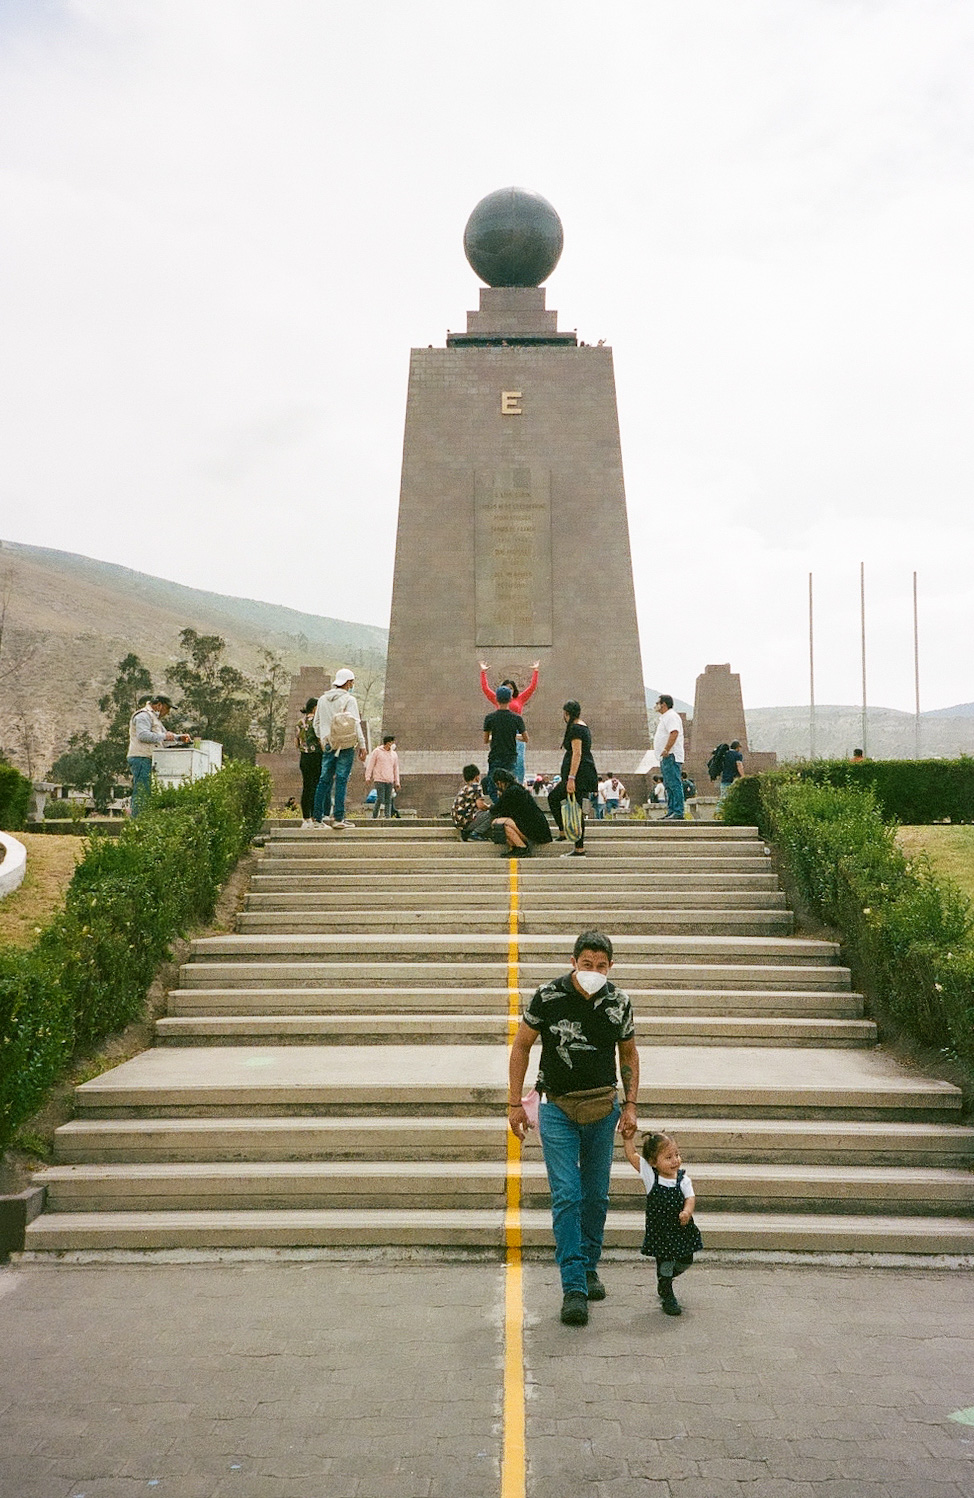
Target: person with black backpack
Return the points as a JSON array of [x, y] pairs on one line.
[[338, 724], [731, 766]]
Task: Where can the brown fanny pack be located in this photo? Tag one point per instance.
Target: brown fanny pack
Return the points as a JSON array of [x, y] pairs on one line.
[[586, 1107]]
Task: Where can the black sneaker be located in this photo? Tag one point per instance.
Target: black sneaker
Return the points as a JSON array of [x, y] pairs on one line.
[[595, 1287], [574, 1308], [670, 1303]]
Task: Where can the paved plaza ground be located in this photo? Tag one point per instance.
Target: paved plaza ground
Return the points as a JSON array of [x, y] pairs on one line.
[[380, 1380]]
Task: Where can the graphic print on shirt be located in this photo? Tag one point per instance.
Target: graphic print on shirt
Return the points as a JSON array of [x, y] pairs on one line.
[[571, 1039]]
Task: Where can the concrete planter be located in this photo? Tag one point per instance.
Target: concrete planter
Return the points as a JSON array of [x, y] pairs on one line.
[[14, 865]]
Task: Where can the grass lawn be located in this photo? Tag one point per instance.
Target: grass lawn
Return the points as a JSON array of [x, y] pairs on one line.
[[50, 864], [951, 851]]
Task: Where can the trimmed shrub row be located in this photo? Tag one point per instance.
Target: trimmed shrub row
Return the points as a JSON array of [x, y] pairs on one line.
[[908, 932], [913, 791], [90, 969], [15, 792]]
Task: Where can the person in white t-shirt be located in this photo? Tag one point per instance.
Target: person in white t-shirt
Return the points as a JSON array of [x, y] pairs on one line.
[[668, 744]]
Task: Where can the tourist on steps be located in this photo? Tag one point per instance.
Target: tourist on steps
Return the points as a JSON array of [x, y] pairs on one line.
[[584, 1021], [338, 724], [518, 699], [668, 744], [382, 772], [579, 777], [517, 821], [309, 758], [503, 730]]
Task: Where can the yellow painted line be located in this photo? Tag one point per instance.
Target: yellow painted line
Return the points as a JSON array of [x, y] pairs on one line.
[[513, 1460]]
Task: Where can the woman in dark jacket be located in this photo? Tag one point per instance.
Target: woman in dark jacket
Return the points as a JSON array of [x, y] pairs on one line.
[[579, 777], [517, 820]]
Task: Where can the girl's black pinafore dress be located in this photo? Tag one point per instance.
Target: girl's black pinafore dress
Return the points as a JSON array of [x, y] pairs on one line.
[[666, 1237]]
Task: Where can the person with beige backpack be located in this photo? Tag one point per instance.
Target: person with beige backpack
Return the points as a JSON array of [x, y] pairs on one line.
[[338, 724]]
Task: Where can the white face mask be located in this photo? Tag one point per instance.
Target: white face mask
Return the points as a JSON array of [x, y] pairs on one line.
[[591, 982]]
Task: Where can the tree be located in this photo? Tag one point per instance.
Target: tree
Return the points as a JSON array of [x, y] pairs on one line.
[[87, 763], [100, 763], [217, 701], [272, 696], [119, 703], [17, 647]]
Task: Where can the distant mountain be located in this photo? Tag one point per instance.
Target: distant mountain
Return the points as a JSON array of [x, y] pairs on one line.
[[838, 730], [962, 710], [72, 619]]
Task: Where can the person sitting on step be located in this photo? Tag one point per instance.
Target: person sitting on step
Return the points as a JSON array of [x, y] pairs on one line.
[[517, 820]]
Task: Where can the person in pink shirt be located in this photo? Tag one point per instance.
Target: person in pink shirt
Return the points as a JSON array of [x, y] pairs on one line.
[[382, 771], [516, 704]]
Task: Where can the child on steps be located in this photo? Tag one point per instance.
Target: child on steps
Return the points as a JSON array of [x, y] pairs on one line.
[[672, 1237]]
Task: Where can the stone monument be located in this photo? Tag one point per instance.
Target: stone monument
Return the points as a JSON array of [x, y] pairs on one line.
[[718, 718], [513, 542]]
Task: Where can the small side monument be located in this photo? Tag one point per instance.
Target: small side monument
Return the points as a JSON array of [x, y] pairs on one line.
[[718, 718], [513, 541]]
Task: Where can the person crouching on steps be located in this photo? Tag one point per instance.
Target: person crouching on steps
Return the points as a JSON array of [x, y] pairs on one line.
[[517, 820], [672, 1237]]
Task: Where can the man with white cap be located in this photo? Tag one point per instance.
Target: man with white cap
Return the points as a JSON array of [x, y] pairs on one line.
[[338, 724]]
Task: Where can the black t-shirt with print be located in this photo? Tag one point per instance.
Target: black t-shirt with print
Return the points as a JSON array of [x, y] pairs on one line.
[[503, 727], [579, 1035]]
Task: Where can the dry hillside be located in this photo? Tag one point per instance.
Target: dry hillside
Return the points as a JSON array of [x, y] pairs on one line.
[[69, 620]]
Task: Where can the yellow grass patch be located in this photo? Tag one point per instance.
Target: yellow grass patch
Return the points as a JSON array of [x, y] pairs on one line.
[[50, 865], [950, 849]]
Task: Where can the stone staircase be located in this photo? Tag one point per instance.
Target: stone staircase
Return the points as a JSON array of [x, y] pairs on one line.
[[333, 1075]]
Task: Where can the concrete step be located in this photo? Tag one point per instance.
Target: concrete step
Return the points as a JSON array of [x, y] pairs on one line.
[[443, 1080], [479, 901], [270, 1186], [400, 975], [389, 863], [548, 949], [640, 833], [493, 1029], [482, 1230], [532, 920], [752, 1003], [532, 880], [738, 1141]]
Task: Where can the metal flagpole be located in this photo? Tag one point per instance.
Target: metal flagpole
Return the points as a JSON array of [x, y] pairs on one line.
[[811, 673], [862, 616], [916, 667]]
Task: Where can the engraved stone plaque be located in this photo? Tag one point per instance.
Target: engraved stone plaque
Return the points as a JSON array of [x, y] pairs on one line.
[[513, 557]]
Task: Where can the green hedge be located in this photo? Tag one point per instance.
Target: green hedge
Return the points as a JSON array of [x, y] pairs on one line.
[[908, 932], [15, 792], [90, 969], [913, 791]]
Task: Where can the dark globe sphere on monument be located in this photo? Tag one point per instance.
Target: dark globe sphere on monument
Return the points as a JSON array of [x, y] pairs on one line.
[[513, 238]]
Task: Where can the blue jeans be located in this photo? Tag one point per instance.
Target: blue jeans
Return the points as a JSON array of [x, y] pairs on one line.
[[520, 767], [383, 799], [336, 766], [578, 1159], [673, 783], [141, 767], [487, 784]]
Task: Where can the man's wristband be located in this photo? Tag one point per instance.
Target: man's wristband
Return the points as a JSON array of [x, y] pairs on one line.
[[629, 1103]]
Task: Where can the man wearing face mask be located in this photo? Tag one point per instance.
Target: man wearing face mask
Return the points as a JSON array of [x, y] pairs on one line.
[[584, 1022]]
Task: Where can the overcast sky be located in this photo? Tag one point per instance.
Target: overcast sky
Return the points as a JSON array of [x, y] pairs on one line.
[[225, 223]]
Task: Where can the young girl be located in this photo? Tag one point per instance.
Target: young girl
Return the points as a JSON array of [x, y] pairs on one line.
[[672, 1237]]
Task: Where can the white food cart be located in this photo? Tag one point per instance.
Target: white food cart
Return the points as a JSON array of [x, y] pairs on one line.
[[175, 764]]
